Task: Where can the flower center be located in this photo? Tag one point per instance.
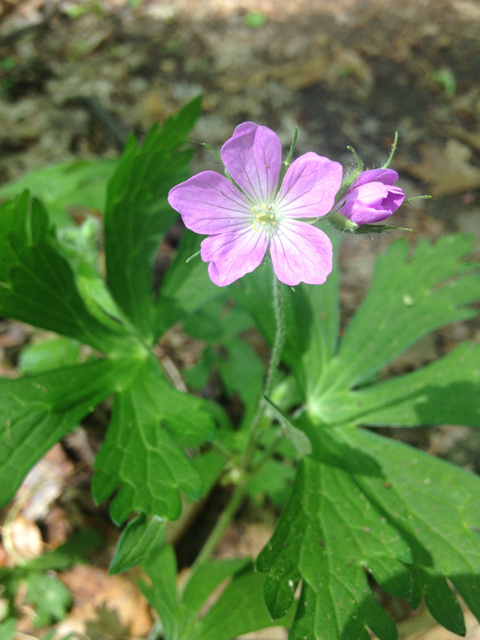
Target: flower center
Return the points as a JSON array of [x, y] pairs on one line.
[[264, 214]]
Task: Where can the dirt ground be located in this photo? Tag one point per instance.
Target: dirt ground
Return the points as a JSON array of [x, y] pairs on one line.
[[76, 78]]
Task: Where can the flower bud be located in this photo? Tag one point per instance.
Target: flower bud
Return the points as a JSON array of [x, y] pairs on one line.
[[372, 197]]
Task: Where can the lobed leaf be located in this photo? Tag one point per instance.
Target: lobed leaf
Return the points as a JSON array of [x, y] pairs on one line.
[[328, 535], [435, 505], [138, 215], [37, 285], [443, 392], [142, 450], [362, 501], [36, 411], [407, 299]]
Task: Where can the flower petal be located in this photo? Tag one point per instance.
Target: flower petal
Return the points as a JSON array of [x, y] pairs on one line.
[[232, 255], [372, 202], [385, 176], [309, 187], [209, 203], [253, 157], [301, 253]]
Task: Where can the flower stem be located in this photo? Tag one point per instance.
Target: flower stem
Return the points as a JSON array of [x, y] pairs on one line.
[[246, 464], [222, 525], [249, 452], [279, 335]]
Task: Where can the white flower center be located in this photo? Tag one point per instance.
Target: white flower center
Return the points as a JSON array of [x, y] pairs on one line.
[[264, 215]]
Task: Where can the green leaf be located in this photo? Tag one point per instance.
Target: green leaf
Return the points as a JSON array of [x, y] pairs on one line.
[[206, 579], [73, 185], [435, 506], [162, 595], [178, 619], [443, 392], [142, 537], [37, 284], [239, 610], [36, 411], [138, 215], [408, 298], [273, 479], [48, 355], [7, 629], [142, 449], [328, 534], [49, 597], [72, 551], [311, 317], [186, 287], [298, 438]]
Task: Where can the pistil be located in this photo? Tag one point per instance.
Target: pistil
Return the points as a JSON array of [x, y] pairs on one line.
[[263, 214]]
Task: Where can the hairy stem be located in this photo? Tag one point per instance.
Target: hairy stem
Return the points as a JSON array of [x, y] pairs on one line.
[[247, 461], [249, 452]]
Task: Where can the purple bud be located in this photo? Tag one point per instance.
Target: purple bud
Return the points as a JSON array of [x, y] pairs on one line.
[[372, 197]]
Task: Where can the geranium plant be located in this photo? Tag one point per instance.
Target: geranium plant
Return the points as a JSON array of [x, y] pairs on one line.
[[357, 507]]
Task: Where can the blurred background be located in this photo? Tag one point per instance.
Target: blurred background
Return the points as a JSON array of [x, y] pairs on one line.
[[76, 78]]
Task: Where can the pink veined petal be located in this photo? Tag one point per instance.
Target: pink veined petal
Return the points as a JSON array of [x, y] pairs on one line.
[[386, 176], [209, 203], [301, 253], [253, 157], [309, 187], [232, 255]]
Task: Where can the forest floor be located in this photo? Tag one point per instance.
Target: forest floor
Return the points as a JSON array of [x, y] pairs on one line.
[[76, 78]]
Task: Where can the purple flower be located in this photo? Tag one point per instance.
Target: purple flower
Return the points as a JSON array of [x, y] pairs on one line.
[[372, 197], [243, 222]]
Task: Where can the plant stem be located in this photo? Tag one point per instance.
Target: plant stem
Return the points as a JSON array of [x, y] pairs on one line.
[[246, 463], [249, 452], [222, 525], [279, 336]]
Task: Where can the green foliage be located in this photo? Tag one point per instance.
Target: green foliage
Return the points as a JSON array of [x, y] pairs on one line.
[[327, 535], [49, 598], [186, 286], [142, 537], [147, 460], [58, 287], [442, 392], [255, 20], [37, 284], [51, 354], [311, 317], [362, 502], [36, 411], [408, 298], [66, 187], [356, 505], [7, 629], [137, 214], [240, 609]]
